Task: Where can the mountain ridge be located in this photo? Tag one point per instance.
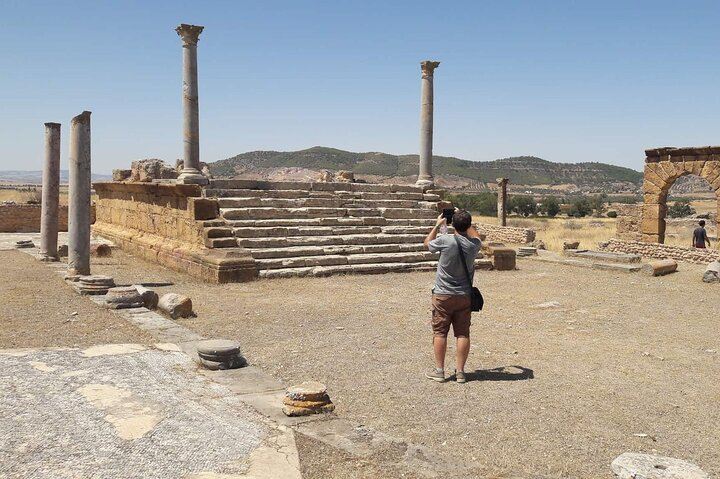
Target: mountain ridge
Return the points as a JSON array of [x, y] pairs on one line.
[[521, 170]]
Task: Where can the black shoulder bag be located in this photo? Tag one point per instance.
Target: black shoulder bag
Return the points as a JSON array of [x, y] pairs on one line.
[[476, 299]]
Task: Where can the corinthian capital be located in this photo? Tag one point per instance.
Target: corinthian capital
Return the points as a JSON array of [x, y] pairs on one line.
[[428, 67], [189, 33]]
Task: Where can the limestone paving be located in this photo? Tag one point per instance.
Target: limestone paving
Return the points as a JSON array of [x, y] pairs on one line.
[[134, 413]]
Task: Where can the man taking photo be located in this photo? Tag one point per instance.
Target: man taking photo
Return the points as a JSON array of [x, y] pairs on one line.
[[451, 294]]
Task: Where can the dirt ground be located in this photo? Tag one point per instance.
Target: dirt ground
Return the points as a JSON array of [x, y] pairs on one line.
[[38, 307], [623, 363]]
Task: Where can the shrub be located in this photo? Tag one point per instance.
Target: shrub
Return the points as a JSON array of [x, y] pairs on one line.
[[680, 209], [612, 214]]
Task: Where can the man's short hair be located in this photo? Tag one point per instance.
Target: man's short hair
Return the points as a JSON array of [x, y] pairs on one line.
[[461, 221], [702, 223]]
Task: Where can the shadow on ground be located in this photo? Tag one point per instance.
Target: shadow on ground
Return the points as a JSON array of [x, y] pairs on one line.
[[502, 373]]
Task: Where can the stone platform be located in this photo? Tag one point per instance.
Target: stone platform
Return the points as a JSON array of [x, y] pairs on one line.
[[238, 230]]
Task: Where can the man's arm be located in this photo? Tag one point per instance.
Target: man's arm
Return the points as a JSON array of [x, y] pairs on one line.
[[472, 232], [707, 240], [433, 232]]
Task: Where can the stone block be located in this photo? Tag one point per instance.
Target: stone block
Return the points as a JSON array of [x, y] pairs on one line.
[[646, 466], [203, 208], [503, 258], [121, 175], [653, 211]]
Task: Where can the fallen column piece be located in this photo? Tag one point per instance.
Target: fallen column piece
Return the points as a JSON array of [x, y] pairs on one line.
[[219, 354], [176, 306], [150, 298], [307, 398], [94, 284], [712, 273], [631, 465], [123, 297], [660, 267], [100, 249]]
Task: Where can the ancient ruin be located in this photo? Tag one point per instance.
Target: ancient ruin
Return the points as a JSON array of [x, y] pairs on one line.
[[50, 193], [425, 177], [640, 229], [662, 167], [79, 196], [502, 201], [191, 122]]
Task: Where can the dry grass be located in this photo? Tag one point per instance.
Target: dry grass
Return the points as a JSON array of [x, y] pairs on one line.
[[554, 231], [21, 196]]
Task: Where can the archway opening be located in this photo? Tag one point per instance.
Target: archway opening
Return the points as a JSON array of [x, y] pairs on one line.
[[688, 199]]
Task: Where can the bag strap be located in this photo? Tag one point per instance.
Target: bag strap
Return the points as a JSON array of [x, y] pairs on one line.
[[462, 260]]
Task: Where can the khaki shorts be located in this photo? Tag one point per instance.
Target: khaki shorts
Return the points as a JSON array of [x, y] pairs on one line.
[[449, 310]]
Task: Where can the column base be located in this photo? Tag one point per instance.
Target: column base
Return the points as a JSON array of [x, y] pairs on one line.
[[191, 176], [425, 183]]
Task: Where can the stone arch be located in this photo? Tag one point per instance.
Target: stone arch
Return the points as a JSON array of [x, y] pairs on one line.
[[662, 167]]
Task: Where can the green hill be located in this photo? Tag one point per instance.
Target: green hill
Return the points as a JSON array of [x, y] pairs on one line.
[[523, 170]]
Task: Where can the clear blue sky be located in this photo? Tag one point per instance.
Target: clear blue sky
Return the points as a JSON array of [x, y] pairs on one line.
[[567, 81]]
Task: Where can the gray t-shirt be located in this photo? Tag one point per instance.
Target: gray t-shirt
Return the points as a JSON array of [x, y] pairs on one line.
[[451, 278]]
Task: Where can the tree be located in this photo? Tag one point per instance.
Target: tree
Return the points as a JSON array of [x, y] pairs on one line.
[[580, 208], [597, 203], [484, 204], [523, 205], [550, 206], [680, 209]]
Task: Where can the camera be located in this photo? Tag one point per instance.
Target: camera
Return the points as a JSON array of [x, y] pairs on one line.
[[448, 214]]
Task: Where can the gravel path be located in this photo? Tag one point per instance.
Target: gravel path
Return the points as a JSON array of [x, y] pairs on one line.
[[622, 362], [37, 309]]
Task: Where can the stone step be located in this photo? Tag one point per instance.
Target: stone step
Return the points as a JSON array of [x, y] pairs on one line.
[[603, 256], [622, 267], [267, 232], [333, 202], [309, 186], [275, 213], [334, 260], [218, 232], [428, 222], [298, 194], [350, 239], [371, 268], [254, 213], [293, 251], [290, 222], [366, 268], [221, 243]]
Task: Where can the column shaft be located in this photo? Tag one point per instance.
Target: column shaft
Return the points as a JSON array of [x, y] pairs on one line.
[[425, 177], [50, 193], [79, 196], [191, 121], [502, 201]]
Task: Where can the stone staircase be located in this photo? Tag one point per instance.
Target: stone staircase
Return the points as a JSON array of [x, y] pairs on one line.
[[321, 229]]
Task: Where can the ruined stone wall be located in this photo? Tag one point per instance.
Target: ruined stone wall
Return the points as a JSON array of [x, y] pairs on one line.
[[26, 218], [506, 234], [162, 210], [662, 251], [628, 222], [164, 223]]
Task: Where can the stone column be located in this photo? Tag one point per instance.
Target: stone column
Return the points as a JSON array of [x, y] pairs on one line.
[[425, 177], [190, 173], [79, 196], [50, 193], [502, 201]]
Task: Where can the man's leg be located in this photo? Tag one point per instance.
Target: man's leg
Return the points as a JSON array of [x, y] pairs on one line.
[[439, 348], [461, 355]]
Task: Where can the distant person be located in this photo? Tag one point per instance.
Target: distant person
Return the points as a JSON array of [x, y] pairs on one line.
[[451, 294], [700, 236]]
